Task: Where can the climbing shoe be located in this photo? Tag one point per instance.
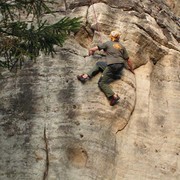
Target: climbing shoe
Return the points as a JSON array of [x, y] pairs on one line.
[[82, 79], [114, 100]]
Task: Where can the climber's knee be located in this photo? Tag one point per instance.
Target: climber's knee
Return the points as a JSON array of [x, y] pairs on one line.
[[102, 85], [99, 84]]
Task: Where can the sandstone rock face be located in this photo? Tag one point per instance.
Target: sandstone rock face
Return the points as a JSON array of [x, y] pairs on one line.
[[53, 127]]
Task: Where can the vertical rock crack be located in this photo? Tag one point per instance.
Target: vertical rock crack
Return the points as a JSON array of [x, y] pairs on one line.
[[47, 155]]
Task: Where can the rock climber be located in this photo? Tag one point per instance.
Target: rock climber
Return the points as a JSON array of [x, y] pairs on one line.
[[116, 59]]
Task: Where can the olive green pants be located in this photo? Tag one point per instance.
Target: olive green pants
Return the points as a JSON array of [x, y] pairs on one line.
[[109, 74]]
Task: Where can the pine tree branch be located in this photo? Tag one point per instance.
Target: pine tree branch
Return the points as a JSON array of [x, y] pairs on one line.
[[20, 40]]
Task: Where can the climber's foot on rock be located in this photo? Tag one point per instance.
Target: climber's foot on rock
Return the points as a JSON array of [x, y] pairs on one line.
[[114, 99], [83, 78]]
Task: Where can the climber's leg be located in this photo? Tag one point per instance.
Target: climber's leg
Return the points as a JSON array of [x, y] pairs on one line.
[[107, 77], [99, 67], [104, 81]]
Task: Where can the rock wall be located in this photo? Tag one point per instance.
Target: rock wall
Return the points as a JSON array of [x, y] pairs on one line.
[[53, 127]]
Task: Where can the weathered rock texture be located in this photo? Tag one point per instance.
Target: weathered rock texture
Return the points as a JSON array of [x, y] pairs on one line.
[[53, 127]]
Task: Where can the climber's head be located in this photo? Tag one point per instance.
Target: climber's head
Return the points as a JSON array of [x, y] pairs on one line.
[[114, 35]]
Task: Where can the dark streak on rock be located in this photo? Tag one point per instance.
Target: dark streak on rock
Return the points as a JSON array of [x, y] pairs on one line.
[[18, 113]]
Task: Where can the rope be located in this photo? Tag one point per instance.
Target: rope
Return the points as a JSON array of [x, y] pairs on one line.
[[97, 27], [95, 18]]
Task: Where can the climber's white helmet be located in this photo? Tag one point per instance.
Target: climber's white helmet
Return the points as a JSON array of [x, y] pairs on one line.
[[115, 35]]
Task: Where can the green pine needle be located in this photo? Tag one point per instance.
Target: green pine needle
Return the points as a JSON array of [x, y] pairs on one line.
[[22, 40]]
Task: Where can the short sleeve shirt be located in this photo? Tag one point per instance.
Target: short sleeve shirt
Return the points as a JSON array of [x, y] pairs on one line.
[[116, 52]]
